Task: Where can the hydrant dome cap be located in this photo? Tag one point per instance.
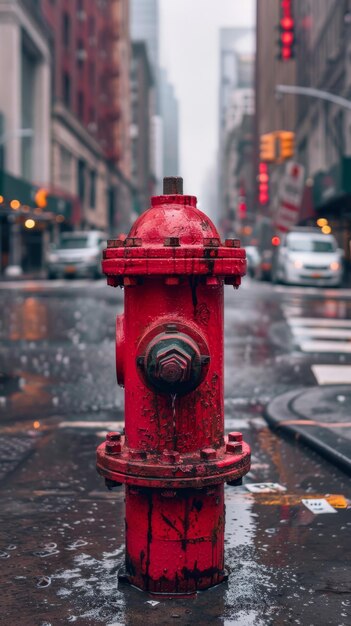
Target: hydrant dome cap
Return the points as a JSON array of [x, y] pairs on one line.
[[173, 216]]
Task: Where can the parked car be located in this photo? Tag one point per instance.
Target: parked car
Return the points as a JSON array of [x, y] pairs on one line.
[[77, 254], [263, 270], [308, 257], [263, 234], [252, 259]]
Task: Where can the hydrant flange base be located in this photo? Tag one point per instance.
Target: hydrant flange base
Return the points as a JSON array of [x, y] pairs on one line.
[[190, 470]]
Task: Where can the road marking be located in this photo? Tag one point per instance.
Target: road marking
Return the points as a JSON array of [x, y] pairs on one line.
[[318, 321], [332, 374], [50, 284], [308, 422], [325, 346], [93, 425], [338, 501], [326, 292], [322, 333]]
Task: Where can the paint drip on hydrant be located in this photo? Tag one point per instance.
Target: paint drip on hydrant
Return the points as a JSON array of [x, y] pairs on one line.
[[173, 456]]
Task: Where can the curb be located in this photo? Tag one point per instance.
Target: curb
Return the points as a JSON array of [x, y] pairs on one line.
[[281, 415]]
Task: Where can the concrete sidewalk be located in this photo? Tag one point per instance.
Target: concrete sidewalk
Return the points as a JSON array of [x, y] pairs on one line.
[[319, 417]]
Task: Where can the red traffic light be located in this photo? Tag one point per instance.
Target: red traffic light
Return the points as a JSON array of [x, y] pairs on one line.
[[275, 241], [286, 53], [287, 23], [287, 38]]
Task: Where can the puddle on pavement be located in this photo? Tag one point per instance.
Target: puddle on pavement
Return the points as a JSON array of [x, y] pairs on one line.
[[62, 544]]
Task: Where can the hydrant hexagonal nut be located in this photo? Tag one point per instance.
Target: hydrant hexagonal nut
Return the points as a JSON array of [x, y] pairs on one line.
[[172, 363], [173, 366]]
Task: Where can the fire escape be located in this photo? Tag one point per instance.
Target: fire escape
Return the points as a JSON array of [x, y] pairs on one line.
[[110, 109]]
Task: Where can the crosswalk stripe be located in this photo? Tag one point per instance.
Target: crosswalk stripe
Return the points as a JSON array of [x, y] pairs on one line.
[[325, 346], [324, 333], [332, 374], [318, 321]]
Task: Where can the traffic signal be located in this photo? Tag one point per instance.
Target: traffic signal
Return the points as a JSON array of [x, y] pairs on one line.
[[263, 184], [286, 31], [41, 198], [286, 144], [242, 206], [267, 148]]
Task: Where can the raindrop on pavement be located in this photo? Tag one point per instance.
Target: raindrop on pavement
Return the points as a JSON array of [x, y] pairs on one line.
[[44, 581]]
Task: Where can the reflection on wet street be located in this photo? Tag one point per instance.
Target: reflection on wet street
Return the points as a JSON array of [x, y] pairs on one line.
[[62, 534]]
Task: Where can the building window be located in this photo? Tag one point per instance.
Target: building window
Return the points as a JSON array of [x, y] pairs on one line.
[[66, 29], [91, 26], [66, 89], [66, 165], [91, 74], [80, 106], [92, 189], [81, 179]]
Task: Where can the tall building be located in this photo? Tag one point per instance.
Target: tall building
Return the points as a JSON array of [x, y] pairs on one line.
[[236, 107], [322, 129], [170, 118], [91, 111], [271, 113], [64, 122], [231, 42], [25, 100], [323, 136], [145, 27], [141, 128]]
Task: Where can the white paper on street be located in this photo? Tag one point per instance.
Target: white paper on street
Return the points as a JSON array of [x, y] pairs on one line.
[[265, 488], [318, 505]]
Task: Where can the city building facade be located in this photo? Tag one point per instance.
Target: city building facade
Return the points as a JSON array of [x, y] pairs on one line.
[[321, 60], [323, 129], [236, 108], [91, 154], [141, 129], [272, 113], [25, 110], [65, 147], [170, 118]]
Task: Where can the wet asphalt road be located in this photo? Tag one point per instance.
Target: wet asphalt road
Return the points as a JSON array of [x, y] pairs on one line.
[[61, 536]]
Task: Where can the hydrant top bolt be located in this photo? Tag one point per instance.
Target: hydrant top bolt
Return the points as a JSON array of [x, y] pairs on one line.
[[208, 453], [232, 243], [113, 436], [173, 185], [211, 242], [172, 241], [113, 447], [234, 447], [235, 436], [170, 456], [133, 242]]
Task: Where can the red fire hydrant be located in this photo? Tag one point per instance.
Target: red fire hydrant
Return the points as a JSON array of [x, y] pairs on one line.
[[173, 457]]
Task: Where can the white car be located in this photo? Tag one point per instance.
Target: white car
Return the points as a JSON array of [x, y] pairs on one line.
[[77, 254], [308, 257]]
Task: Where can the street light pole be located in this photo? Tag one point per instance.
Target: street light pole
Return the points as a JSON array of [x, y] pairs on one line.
[[313, 93]]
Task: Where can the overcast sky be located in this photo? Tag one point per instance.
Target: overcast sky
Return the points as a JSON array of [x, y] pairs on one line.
[[189, 52]]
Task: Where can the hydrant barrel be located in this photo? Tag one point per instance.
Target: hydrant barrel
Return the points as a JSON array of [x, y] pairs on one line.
[[173, 458]]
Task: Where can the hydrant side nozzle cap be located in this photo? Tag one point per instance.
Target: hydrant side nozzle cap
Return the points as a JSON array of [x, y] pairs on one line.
[[173, 185]]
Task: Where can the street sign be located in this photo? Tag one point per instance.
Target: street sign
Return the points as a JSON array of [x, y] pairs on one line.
[[289, 196]]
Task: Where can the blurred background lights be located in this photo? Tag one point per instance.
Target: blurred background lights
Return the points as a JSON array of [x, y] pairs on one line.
[[29, 223]]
